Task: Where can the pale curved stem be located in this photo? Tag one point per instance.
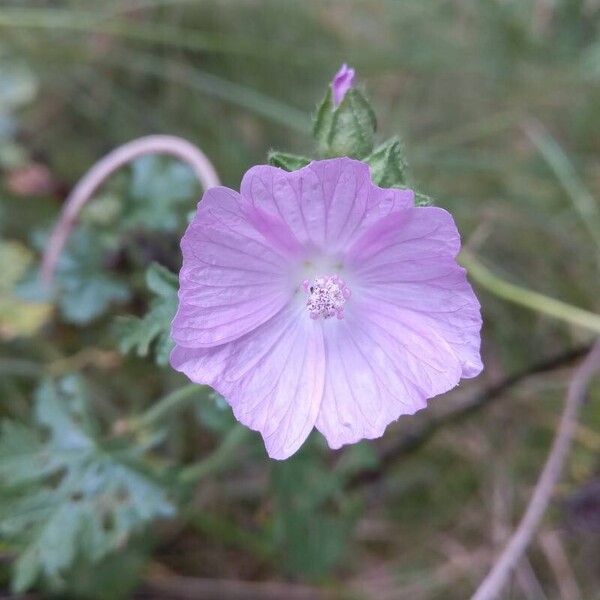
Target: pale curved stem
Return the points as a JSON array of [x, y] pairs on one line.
[[104, 168], [492, 585]]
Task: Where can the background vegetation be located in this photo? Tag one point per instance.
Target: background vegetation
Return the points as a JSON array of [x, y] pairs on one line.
[[104, 496]]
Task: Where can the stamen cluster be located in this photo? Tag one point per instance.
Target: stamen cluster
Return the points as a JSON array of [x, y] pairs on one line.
[[326, 297]]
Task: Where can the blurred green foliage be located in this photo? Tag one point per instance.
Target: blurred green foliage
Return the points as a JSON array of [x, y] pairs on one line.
[[86, 466], [83, 290], [69, 496]]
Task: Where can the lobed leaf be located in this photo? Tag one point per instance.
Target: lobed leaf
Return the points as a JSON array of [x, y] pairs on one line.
[[72, 496], [152, 330]]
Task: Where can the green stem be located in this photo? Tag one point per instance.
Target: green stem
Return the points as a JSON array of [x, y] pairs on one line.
[[165, 405], [527, 298], [222, 457]]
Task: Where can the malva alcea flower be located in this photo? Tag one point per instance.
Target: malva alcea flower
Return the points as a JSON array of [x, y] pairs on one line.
[[317, 299], [342, 81]]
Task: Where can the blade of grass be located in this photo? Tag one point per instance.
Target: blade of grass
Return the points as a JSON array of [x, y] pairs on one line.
[[151, 33], [583, 202], [214, 86], [183, 75]]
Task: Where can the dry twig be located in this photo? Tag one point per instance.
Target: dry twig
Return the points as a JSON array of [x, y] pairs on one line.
[[183, 588], [559, 562], [494, 582]]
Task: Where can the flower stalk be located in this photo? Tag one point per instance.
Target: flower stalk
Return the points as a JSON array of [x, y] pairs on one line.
[[167, 404], [222, 457], [535, 301]]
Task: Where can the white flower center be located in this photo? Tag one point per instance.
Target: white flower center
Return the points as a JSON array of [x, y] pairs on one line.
[[326, 297]]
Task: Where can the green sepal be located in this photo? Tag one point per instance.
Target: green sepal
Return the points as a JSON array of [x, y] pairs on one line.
[[388, 164], [322, 122], [345, 130], [389, 169], [289, 162], [423, 199]]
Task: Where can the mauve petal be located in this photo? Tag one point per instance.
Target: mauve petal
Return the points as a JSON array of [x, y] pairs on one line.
[[407, 264], [325, 205], [232, 279], [445, 304], [379, 368], [405, 235], [272, 377]]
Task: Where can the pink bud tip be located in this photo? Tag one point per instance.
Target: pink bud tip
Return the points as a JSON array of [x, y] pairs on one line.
[[342, 81]]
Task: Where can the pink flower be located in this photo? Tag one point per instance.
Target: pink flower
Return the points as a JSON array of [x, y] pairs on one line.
[[317, 299], [342, 81]]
